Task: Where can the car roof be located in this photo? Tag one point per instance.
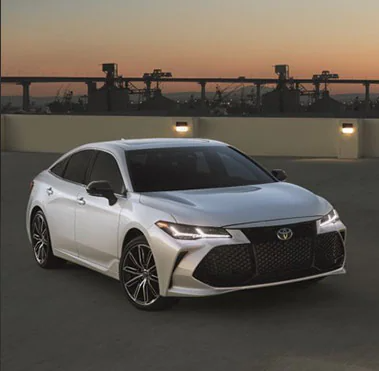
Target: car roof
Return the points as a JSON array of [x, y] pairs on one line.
[[151, 143]]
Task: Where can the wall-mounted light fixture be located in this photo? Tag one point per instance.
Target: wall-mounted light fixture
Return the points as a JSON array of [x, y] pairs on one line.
[[347, 128], [181, 127]]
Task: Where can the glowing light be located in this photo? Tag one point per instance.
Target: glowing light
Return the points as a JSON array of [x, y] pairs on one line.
[[181, 127], [348, 130]]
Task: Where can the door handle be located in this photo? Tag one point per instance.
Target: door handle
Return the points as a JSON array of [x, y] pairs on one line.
[[81, 201], [49, 191]]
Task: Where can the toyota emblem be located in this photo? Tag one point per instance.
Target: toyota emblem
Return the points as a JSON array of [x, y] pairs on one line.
[[284, 234]]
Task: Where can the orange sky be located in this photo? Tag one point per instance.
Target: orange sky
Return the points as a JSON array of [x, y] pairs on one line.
[[190, 39]]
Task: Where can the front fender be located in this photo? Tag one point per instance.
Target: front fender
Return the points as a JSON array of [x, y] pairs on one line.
[[141, 217]]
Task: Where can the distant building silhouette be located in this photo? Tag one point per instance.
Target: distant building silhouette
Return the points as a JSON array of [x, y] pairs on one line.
[[111, 97], [327, 105], [158, 103], [281, 100], [119, 95]]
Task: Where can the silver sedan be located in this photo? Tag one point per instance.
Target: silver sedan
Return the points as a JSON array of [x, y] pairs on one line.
[[170, 218]]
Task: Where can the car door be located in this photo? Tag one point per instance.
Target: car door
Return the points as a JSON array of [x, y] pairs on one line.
[[66, 181], [97, 222]]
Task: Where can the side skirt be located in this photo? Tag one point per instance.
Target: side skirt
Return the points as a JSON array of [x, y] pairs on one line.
[[111, 271]]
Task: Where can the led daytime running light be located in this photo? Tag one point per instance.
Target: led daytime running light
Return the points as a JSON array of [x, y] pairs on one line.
[[332, 217], [188, 232]]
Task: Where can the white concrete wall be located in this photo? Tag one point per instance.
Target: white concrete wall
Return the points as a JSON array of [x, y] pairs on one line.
[[44, 133], [370, 138], [300, 137], [311, 137]]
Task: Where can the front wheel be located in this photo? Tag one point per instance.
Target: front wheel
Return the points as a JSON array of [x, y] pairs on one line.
[[139, 277]]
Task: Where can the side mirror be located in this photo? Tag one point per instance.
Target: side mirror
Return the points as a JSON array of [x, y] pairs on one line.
[[102, 188], [279, 174]]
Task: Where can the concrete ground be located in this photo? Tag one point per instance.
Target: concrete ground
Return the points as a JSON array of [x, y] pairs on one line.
[[77, 320]]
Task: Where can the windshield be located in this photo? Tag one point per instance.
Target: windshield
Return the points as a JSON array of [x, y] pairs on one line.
[[184, 168]]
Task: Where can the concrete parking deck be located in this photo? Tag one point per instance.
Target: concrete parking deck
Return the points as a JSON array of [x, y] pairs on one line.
[[75, 319]]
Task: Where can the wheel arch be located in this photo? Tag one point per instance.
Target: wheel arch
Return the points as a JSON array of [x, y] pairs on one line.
[[30, 217], [34, 211], [130, 235]]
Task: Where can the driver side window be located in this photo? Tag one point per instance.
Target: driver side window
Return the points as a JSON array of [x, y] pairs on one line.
[[105, 167]]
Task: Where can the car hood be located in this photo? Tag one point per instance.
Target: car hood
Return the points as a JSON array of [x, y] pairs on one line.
[[238, 205]]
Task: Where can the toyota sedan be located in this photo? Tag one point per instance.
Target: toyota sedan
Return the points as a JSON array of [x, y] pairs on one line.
[[174, 218]]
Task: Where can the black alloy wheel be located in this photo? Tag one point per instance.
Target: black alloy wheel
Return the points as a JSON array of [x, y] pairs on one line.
[[139, 277]]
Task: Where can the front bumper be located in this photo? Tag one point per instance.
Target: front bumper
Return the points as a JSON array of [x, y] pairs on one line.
[[248, 260]]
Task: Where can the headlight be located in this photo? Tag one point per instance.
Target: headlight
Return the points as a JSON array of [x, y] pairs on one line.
[[188, 232], [332, 217]]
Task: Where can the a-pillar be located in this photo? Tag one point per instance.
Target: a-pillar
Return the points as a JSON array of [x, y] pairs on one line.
[[367, 96], [258, 99], [203, 95], [25, 95]]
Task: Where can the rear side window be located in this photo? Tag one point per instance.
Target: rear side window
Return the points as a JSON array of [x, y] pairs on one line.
[[60, 167], [105, 167], [77, 166]]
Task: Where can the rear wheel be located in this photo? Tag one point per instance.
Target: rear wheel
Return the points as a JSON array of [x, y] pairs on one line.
[[139, 277], [41, 243]]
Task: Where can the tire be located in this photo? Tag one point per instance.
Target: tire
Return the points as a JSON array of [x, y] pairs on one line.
[[41, 243], [139, 279]]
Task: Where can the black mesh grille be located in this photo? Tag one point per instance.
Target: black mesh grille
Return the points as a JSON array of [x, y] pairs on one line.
[[229, 265], [267, 259], [329, 250], [275, 256]]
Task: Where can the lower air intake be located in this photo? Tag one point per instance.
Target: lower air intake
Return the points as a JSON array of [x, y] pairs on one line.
[[329, 251], [229, 265]]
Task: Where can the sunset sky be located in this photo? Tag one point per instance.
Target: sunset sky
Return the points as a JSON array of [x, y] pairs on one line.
[[190, 38]]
